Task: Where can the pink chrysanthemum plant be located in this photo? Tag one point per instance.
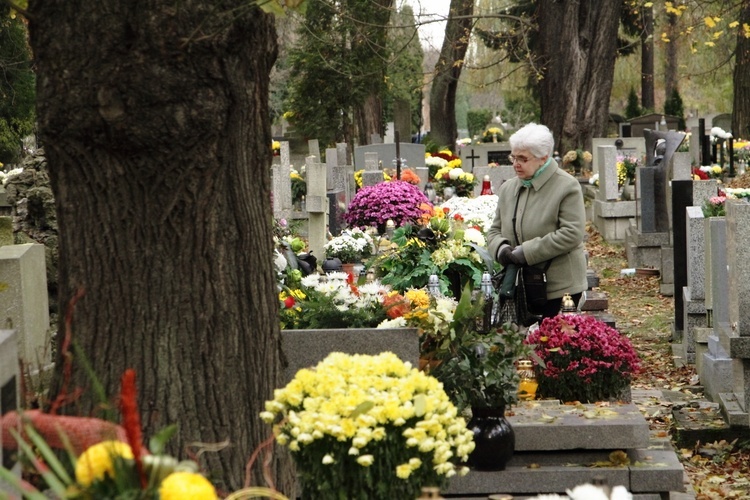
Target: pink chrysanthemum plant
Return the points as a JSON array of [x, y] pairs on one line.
[[584, 359]]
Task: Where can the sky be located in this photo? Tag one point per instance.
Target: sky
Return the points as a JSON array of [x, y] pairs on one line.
[[431, 34]]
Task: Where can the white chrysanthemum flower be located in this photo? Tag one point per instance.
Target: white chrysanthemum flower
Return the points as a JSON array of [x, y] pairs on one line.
[[455, 173], [399, 322], [474, 236]]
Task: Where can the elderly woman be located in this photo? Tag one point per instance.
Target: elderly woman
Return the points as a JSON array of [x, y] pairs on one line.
[[540, 218]]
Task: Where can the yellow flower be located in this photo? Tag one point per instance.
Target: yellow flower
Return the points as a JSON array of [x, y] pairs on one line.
[[186, 486], [365, 460], [97, 461], [403, 471]]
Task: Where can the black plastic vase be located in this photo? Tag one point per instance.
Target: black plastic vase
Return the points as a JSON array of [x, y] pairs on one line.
[[494, 439]]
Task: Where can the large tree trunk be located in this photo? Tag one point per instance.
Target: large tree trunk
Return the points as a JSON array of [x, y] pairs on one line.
[[741, 112], [447, 72], [647, 60], [154, 118], [577, 50]]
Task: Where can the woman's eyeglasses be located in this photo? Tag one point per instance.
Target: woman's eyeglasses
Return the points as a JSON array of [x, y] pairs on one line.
[[519, 159]]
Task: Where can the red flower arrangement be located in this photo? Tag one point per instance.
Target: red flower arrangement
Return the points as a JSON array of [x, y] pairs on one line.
[[700, 174], [584, 359]]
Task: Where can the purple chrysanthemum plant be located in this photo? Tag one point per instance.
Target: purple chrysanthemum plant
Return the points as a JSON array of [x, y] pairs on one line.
[[396, 200]]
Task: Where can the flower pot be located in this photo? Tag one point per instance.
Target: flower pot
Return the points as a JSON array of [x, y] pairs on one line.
[[348, 267], [628, 192], [494, 439]]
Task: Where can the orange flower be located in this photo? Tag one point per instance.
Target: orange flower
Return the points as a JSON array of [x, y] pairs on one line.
[[409, 176], [395, 305]]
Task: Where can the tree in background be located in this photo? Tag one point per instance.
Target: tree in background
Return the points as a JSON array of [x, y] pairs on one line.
[[674, 107], [370, 57], [319, 102], [647, 57], [447, 72], [576, 54], [16, 88], [477, 120], [741, 108], [632, 109], [156, 130], [338, 71], [405, 79]]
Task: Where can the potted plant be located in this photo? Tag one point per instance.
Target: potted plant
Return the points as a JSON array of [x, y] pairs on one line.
[[478, 372], [714, 206], [440, 244], [580, 358], [363, 427], [372, 206], [453, 177], [351, 246], [578, 159]]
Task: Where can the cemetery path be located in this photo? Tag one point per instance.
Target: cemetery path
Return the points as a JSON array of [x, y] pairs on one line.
[[716, 470]]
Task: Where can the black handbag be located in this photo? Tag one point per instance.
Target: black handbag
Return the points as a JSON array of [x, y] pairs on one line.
[[535, 287]]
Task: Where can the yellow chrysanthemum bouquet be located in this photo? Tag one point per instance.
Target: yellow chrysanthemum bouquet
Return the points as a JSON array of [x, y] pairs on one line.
[[363, 427]]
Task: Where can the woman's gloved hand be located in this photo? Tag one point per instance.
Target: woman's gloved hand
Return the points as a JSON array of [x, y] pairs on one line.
[[517, 257], [504, 255]]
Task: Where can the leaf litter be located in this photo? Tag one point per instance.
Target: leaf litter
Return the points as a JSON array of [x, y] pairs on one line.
[[716, 470]]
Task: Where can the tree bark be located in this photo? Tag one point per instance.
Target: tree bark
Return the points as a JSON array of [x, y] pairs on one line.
[[576, 51], [741, 109], [444, 129], [369, 50], [155, 122], [670, 59], [647, 60]]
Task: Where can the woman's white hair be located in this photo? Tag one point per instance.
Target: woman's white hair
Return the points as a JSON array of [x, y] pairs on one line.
[[535, 138]]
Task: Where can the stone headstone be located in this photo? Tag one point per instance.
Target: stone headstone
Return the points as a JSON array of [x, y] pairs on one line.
[[498, 175], [25, 302], [681, 167], [695, 252], [682, 197], [484, 153], [424, 176], [314, 149], [736, 339], [412, 154], [738, 258], [10, 394], [646, 204], [282, 184], [716, 258], [372, 174], [342, 154], [306, 348], [716, 372], [607, 158], [694, 147], [628, 146], [693, 294], [317, 206]]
